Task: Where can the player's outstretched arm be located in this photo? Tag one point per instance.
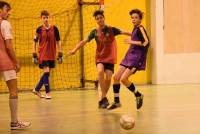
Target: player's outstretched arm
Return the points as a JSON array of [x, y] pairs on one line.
[[125, 33], [78, 46]]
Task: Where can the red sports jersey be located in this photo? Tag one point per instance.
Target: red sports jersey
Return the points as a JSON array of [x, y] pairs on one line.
[[47, 44], [106, 51], [5, 61]]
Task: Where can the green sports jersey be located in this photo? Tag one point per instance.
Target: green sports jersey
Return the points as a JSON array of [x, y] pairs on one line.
[[93, 33]]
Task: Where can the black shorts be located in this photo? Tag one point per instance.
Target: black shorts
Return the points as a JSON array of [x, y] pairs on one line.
[[107, 66], [48, 63], [130, 68]]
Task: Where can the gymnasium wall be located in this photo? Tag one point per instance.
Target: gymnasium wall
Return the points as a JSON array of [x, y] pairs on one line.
[[175, 41], [25, 18]]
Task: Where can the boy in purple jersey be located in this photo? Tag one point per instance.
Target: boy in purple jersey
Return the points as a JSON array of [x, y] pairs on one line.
[[134, 60]]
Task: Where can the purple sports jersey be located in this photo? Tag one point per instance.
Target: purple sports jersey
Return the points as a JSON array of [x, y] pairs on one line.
[[136, 55]]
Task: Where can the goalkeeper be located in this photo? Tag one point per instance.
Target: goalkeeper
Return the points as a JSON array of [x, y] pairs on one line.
[[48, 37]]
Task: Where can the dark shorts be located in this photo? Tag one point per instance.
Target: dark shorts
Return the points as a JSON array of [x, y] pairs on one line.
[[135, 58], [130, 68], [48, 63], [107, 66]]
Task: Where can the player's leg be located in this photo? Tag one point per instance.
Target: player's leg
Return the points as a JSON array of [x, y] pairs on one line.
[[46, 70], [108, 78], [11, 82], [125, 80], [36, 90], [109, 70], [116, 87], [100, 70], [107, 82]]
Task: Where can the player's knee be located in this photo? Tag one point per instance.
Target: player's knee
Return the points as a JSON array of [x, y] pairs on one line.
[[116, 78], [13, 95], [46, 69], [101, 72], [123, 80], [108, 77]]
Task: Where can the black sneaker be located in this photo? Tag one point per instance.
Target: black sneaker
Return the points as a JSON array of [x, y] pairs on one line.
[[139, 101], [114, 105], [103, 104]]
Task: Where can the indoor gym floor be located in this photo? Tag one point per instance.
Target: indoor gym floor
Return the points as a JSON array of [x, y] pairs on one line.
[[167, 109]]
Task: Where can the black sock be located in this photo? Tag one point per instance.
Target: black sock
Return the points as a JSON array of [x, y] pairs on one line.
[[116, 88], [132, 89]]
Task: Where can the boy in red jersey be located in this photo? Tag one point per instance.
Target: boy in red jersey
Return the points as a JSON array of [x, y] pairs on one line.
[[9, 65], [48, 36], [106, 53]]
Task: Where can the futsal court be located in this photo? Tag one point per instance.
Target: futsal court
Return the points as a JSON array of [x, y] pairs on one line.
[[169, 109]]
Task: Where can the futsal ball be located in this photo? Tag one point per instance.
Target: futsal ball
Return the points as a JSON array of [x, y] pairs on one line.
[[127, 122]]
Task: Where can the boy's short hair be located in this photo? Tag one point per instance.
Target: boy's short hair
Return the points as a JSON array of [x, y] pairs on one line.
[[3, 3], [98, 12], [137, 11], [44, 13]]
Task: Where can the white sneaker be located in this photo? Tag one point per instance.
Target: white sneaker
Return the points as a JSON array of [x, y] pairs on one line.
[[38, 94], [48, 96], [19, 125]]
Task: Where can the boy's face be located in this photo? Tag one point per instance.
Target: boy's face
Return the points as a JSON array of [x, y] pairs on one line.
[[135, 19], [5, 12], [100, 20], [45, 19]]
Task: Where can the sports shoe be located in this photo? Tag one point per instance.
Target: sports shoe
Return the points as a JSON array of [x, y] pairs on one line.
[[139, 101], [19, 125], [114, 105], [103, 104], [48, 96], [38, 93]]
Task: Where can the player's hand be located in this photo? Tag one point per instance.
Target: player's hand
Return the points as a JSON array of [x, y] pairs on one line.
[[35, 58], [128, 41], [17, 67], [72, 52], [60, 58]]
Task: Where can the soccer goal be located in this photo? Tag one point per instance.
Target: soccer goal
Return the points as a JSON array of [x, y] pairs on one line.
[[74, 20]]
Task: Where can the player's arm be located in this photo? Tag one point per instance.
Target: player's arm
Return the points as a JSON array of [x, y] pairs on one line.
[[60, 54], [117, 31], [59, 46], [78, 46], [6, 31], [58, 42], [35, 40], [83, 42], [129, 41], [144, 36], [34, 54], [125, 33], [11, 53]]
